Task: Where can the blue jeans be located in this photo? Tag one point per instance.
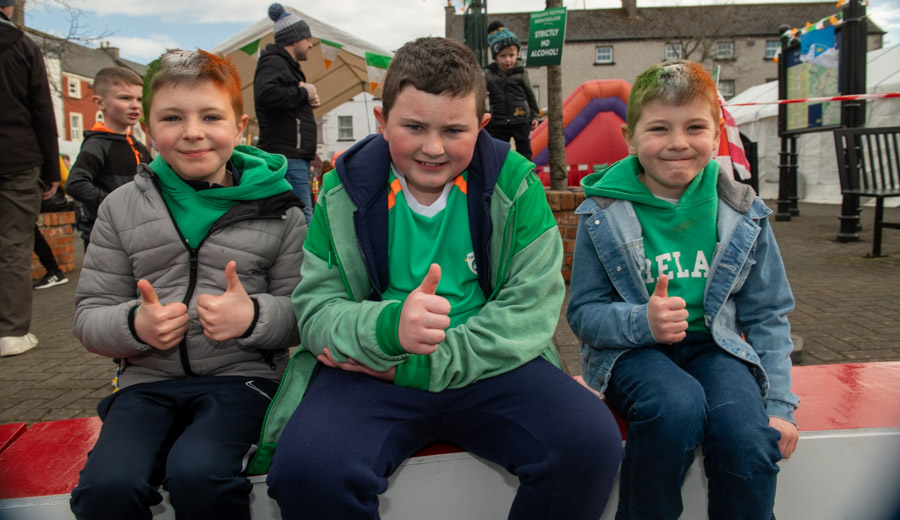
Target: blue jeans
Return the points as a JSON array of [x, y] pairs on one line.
[[298, 175], [676, 397], [351, 431], [191, 435]]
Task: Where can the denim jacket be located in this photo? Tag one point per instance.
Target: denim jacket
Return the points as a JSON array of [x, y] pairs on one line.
[[746, 301]]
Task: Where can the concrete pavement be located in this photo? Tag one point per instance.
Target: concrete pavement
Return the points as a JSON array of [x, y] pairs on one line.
[[848, 310]]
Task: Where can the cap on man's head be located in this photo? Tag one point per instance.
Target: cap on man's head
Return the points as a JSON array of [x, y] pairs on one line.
[[289, 28], [7, 3], [499, 38]]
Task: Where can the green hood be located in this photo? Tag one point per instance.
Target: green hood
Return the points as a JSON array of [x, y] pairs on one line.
[[262, 176], [620, 181]]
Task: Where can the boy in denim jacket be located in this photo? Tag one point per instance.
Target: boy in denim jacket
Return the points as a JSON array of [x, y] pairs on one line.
[[680, 297]]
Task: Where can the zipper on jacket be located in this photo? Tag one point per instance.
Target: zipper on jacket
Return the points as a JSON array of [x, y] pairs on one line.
[[332, 251], [192, 283], [299, 137]]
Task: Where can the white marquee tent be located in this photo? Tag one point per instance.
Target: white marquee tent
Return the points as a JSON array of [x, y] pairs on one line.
[[817, 163]]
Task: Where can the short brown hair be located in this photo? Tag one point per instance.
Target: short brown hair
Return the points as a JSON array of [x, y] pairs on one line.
[[190, 67], [436, 66], [675, 83], [115, 76]]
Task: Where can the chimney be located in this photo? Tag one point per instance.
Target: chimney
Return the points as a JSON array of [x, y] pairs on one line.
[[630, 8], [112, 51], [18, 16]]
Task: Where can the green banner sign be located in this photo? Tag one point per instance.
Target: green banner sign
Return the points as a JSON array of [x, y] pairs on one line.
[[546, 37]]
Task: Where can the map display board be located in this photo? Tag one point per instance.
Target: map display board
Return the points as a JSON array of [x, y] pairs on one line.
[[808, 77]]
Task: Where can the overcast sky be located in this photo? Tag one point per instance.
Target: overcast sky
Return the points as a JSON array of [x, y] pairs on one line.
[[143, 29]]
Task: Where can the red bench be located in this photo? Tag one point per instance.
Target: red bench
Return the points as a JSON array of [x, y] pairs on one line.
[[45, 459]]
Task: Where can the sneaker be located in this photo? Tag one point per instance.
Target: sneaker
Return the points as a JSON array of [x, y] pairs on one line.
[[51, 280], [14, 345]]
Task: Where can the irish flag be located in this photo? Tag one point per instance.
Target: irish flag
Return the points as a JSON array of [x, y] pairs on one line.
[[329, 52], [376, 66]]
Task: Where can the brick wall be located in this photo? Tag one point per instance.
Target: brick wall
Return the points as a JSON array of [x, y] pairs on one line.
[[59, 230], [563, 204]]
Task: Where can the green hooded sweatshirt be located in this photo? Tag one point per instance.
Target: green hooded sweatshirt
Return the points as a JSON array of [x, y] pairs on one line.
[[262, 175], [679, 240]]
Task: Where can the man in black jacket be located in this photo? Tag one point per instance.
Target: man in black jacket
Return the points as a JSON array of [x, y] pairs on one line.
[[29, 171], [284, 101]]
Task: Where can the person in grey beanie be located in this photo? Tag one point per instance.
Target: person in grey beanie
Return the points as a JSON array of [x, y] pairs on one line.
[[285, 101]]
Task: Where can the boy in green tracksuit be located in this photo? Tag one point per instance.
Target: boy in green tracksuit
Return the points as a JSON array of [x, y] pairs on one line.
[[430, 291]]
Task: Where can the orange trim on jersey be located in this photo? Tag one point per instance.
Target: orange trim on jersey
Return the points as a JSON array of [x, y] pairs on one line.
[[395, 188], [460, 183], [100, 127]]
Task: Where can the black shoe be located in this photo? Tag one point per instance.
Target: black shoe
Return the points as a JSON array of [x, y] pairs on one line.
[[51, 280]]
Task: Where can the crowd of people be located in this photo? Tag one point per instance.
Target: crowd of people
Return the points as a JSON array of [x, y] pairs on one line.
[[421, 295]]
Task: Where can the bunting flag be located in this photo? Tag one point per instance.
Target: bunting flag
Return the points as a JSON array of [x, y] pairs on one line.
[[251, 48], [731, 157], [376, 67], [329, 51]]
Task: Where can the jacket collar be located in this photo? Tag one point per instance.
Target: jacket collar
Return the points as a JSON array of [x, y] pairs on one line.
[[363, 173]]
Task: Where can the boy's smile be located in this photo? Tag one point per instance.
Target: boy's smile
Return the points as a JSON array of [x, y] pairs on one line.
[[431, 138], [673, 144], [194, 128], [121, 107]]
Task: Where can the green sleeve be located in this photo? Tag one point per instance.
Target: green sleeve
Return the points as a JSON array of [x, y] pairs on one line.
[[517, 324]]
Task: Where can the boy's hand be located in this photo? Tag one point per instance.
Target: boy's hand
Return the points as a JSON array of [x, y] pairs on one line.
[[424, 316], [789, 435], [228, 315], [353, 365], [534, 124], [668, 316], [160, 326]]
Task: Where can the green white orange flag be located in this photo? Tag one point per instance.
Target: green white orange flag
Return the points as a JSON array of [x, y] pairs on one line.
[[376, 67], [251, 48], [329, 52]]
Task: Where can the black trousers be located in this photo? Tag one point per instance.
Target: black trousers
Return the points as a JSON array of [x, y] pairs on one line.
[[521, 132]]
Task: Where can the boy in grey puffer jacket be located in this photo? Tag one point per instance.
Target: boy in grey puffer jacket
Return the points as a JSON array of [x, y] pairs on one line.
[[201, 350]]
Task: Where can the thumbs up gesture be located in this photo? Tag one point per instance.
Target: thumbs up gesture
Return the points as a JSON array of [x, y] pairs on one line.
[[667, 315], [228, 315], [424, 316], [160, 326]]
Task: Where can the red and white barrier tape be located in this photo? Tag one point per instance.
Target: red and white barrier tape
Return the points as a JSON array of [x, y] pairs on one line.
[[852, 97]]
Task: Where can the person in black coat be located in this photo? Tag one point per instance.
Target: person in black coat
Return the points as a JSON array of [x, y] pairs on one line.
[[285, 101], [29, 172]]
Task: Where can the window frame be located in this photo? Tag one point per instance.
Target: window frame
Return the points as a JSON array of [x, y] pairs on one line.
[[73, 135], [776, 47], [343, 128], [673, 46], [728, 44], [733, 88], [612, 55], [73, 87]]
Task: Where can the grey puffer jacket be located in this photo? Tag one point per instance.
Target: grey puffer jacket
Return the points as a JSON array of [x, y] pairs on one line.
[[135, 237]]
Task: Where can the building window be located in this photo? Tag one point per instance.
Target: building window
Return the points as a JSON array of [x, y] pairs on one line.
[[604, 55], [74, 88], [673, 51], [772, 48], [76, 127], [726, 87], [724, 50], [345, 128]]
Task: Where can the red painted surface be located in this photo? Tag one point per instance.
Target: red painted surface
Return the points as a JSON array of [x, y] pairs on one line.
[[46, 458], [9, 433], [848, 396]]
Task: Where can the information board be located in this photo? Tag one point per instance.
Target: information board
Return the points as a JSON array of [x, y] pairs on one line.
[[546, 36]]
